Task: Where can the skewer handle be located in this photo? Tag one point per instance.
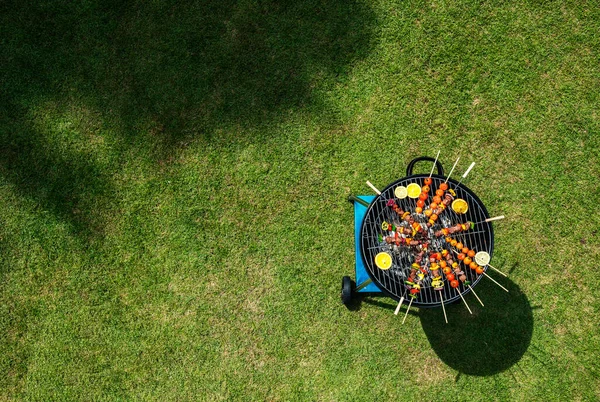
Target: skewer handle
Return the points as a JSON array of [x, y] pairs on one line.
[[497, 270], [464, 301], [399, 305], [373, 188], [407, 310], [452, 170], [495, 218], [495, 282], [468, 170], [444, 308], [473, 290], [434, 162]]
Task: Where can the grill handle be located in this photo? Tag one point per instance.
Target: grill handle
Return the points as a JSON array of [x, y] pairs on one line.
[[411, 165]]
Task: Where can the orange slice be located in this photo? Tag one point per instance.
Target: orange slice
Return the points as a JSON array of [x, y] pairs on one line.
[[460, 206]]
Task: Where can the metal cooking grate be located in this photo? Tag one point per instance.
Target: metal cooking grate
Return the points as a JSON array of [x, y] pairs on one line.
[[391, 281]]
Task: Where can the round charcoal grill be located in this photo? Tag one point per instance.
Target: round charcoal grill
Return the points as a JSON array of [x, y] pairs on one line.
[[392, 280]]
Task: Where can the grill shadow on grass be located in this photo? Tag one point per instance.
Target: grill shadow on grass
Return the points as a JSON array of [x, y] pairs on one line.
[[491, 340]]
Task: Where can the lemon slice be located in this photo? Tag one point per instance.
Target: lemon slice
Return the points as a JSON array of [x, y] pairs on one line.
[[460, 206], [482, 258], [383, 260], [413, 190], [400, 192]]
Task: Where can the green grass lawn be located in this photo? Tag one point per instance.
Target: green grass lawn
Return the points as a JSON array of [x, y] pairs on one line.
[[173, 184]]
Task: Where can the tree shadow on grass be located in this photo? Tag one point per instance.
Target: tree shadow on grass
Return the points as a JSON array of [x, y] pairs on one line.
[[491, 340], [189, 66], [178, 71]]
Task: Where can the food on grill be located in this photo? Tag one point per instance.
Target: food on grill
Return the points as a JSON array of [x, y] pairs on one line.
[[416, 238], [383, 260], [437, 283], [482, 258], [460, 206], [415, 235], [457, 228], [447, 200], [474, 265], [396, 208], [400, 192], [413, 190]]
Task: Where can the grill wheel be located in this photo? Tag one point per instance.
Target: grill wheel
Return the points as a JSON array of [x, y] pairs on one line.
[[348, 287]]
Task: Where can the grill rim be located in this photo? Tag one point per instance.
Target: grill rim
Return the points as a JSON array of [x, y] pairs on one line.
[[369, 265]]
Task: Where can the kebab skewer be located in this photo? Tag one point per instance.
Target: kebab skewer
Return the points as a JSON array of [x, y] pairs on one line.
[[472, 264], [415, 285], [450, 277], [482, 256]]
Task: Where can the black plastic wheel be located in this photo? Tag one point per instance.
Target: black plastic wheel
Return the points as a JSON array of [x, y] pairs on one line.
[[347, 290]]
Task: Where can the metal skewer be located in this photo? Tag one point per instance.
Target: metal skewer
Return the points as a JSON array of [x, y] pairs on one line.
[[473, 290]]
